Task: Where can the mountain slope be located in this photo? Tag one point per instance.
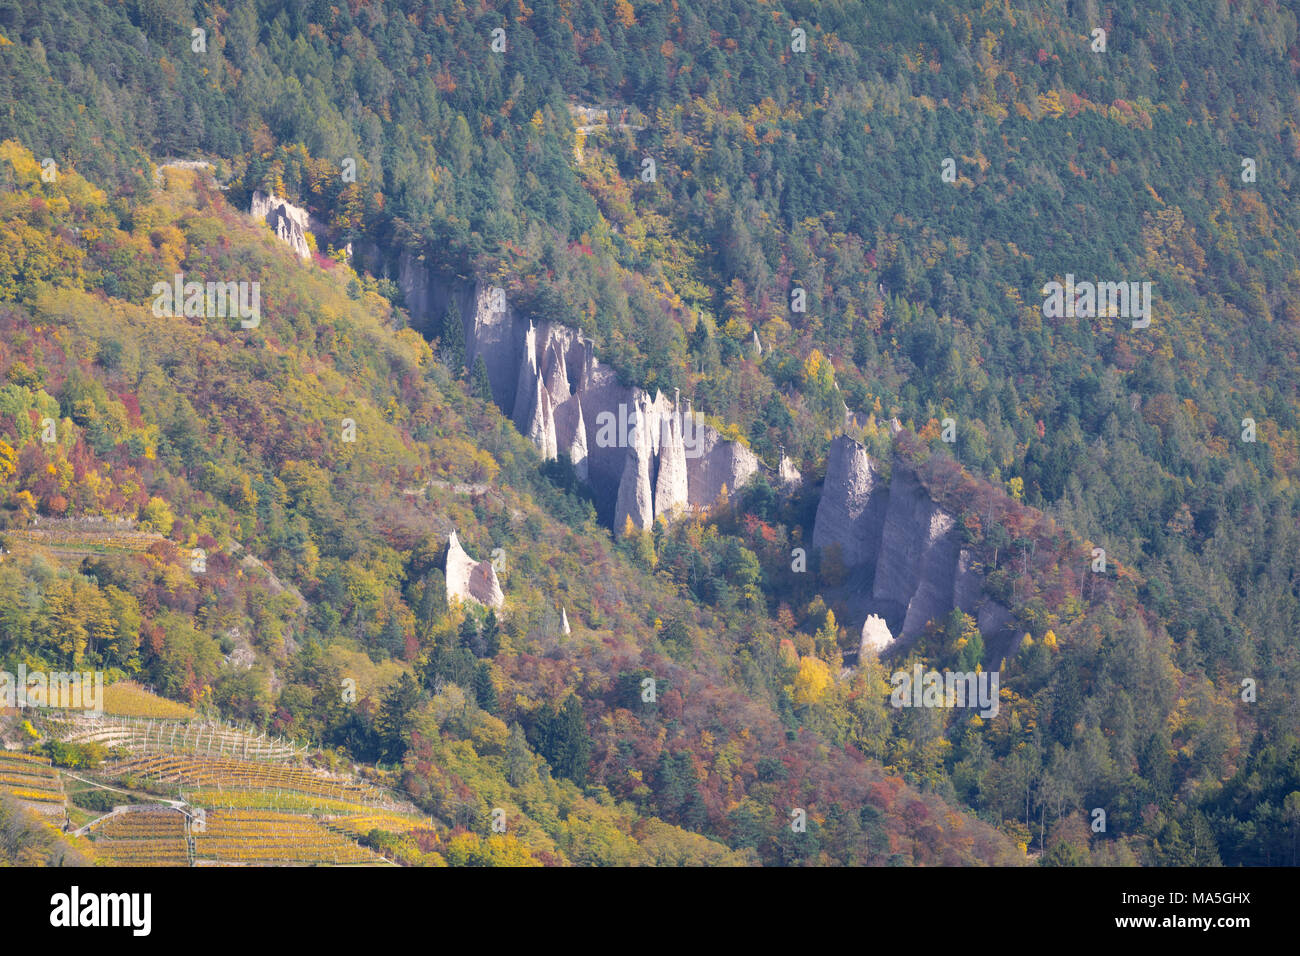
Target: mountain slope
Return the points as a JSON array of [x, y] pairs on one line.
[[880, 210], [215, 436]]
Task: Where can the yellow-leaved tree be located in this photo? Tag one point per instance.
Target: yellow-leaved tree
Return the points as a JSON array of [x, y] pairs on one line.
[[157, 516], [811, 681]]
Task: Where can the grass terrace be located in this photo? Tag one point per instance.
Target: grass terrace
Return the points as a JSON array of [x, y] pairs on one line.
[[266, 837]]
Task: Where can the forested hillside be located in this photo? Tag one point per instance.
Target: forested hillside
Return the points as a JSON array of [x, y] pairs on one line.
[[809, 218]]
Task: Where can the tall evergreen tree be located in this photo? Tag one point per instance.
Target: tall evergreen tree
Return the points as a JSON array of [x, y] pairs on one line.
[[491, 635], [564, 741], [485, 692], [480, 384], [394, 721], [519, 758], [451, 336]]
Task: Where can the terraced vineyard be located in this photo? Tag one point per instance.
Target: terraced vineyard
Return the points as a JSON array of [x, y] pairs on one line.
[[81, 542], [32, 780], [357, 825], [352, 820], [142, 722], [149, 837], [260, 803], [286, 801], [266, 837], [128, 699], [251, 835], [310, 831], [237, 775], [146, 735]]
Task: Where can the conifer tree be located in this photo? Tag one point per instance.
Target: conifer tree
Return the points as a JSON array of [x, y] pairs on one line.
[[519, 758], [481, 385], [491, 635], [452, 338]]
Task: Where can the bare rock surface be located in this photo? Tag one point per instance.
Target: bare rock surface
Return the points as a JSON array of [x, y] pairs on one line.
[[719, 464], [851, 512], [635, 497], [788, 475], [875, 636], [470, 580], [936, 574], [290, 223], [547, 378], [903, 539], [541, 424], [907, 546], [672, 484]]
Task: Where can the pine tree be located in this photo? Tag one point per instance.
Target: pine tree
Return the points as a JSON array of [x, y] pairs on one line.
[[481, 385], [485, 692], [670, 785], [519, 758], [470, 635], [394, 717], [564, 740], [452, 338], [491, 635]]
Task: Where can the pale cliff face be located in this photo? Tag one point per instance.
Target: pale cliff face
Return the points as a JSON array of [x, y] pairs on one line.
[[875, 636], [646, 458], [578, 453], [290, 223], [494, 333], [635, 498], [470, 580], [673, 482], [788, 474], [921, 571], [903, 540], [548, 379], [717, 464], [851, 512], [541, 424], [936, 574]]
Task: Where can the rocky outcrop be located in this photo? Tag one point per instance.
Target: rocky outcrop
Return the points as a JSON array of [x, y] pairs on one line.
[[571, 422], [788, 475], [718, 464], [647, 458], [635, 498], [556, 375], [875, 636], [290, 223], [470, 580], [851, 512], [672, 485], [643, 457], [608, 411], [907, 566], [540, 429], [528, 381], [903, 540], [936, 574], [493, 330]]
